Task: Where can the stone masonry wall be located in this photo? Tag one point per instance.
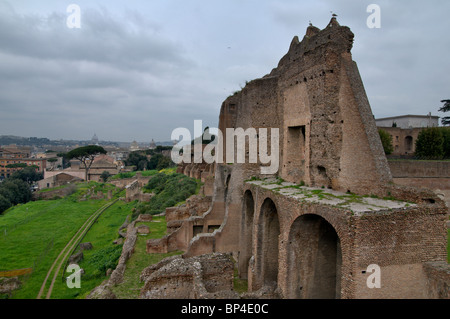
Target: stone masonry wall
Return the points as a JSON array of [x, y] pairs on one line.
[[430, 174], [400, 241]]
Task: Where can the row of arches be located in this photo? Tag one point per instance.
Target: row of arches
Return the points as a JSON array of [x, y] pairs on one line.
[[312, 255]]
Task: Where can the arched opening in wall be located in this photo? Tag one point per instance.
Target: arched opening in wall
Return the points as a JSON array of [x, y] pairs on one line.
[[267, 244], [314, 259], [408, 143], [245, 254]]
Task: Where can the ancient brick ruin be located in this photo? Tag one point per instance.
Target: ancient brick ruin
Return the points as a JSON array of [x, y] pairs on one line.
[[312, 229]]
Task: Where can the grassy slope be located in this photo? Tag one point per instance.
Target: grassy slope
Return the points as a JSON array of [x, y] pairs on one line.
[[101, 236], [55, 222], [130, 288], [36, 233], [32, 235]]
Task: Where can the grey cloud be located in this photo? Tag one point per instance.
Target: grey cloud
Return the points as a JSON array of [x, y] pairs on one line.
[[106, 70], [101, 39], [150, 67]]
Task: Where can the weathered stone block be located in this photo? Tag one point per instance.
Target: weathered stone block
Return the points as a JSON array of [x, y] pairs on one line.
[[143, 229]]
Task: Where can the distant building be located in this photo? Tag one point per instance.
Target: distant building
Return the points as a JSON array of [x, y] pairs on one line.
[[12, 151], [408, 121], [152, 145], [405, 129], [94, 140], [53, 161], [134, 146], [101, 163], [58, 180], [10, 155]]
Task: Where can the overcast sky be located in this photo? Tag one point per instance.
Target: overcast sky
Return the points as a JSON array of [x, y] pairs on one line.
[[136, 70]]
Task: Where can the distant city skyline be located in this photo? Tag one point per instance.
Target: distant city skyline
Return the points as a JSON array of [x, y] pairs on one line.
[[136, 70], [147, 142]]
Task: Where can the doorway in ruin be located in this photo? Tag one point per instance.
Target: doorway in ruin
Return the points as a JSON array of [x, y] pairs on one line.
[[408, 143], [295, 153], [267, 245], [314, 259], [245, 254]]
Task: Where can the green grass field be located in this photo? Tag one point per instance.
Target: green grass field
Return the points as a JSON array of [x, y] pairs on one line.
[[32, 235], [35, 233]]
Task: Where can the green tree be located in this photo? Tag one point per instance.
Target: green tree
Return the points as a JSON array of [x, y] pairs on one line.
[[65, 161], [28, 174], [105, 175], [386, 140], [4, 204], [86, 155], [136, 159], [15, 191], [164, 162], [445, 108], [154, 161], [8, 193], [446, 146], [430, 143], [23, 194]]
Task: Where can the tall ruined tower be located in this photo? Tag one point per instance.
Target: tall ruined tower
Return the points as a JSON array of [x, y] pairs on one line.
[[328, 136]]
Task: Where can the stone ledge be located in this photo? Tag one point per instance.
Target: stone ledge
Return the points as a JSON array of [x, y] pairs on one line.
[[352, 202]]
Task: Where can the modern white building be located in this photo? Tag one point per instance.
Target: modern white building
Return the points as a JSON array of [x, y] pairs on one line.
[[408, 121]]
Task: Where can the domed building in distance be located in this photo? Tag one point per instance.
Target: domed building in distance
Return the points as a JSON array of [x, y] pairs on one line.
[[94, 139]]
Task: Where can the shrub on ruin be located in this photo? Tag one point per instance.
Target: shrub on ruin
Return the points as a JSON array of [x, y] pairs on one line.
[[168, 190]]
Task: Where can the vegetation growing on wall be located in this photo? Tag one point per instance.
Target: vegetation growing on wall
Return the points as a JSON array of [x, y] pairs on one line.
[[168, 189]]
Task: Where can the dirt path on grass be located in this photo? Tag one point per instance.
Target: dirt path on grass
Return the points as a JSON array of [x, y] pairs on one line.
[[69, 248]]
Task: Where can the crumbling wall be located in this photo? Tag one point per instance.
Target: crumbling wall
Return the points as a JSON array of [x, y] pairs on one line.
[[438, 280], [103, 291], [182, 222], [201, 277], [132, 191]]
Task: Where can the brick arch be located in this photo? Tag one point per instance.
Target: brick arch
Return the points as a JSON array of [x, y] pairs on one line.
[[288, 211], [267, 244], [314, 259], [246, 236]]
